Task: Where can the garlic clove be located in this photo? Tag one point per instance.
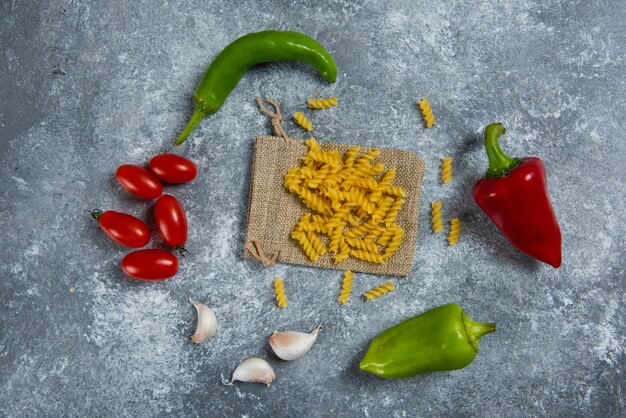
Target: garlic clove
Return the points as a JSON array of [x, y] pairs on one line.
[[254, 370], [291, 345], [207, 323]]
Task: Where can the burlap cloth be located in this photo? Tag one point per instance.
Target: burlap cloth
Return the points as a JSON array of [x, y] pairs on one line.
[[273, 212]]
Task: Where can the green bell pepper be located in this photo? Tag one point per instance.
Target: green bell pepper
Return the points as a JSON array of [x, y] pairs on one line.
[[441, 339]]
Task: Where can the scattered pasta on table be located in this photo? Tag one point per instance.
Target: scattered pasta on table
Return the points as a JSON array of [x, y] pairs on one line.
[[322, 103], [446, 170], [279, 289], [346, 287], [303, 121], [436, 216], [455, 230], [427, 112], [377, 292]]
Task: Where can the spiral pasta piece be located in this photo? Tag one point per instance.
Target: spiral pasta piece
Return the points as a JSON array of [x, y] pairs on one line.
[[379, 291], [366, 159], [374, 234], [396, 191], [394, 244], [306, 245], [312, 144], [362, 245], [455, 230], [446, 169], [314, 227], [343, 254], [322, 103], [383, 209], [303, 121], [293, 180], [385, 237], [436, 216], [315, 202], [317, 243], [279, 290], [331, 158], [367, 256], [346, 287], [350, 156], [335, 238], [427, 112], [383, 184], [395, 208]]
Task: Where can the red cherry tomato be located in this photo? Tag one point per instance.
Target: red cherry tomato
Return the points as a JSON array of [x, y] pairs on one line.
[[173, 168], [139, 181], [171, 221], [122, 228], [150, 264]]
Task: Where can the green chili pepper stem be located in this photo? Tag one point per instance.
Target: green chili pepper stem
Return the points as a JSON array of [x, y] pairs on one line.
[[500, 164], [196, 118]]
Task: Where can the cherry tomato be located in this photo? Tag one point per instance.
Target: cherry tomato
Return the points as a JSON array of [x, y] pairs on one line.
[[150, 264], [171, 221], [173, 168], [123, 228], [139, 181]]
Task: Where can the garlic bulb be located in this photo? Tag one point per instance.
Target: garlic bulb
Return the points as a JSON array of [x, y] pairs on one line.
[[254, 370], [290, 345], [207, 323]]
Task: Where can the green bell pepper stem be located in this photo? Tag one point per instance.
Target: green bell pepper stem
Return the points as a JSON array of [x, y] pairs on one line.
[[476, 330], [500, 164]]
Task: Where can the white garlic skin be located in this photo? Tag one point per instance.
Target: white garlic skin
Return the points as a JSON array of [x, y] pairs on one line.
[[291, 345], [207, 323], [254, 370]]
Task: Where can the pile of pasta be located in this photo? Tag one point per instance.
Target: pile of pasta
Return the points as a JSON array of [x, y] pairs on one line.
[[353, 203]]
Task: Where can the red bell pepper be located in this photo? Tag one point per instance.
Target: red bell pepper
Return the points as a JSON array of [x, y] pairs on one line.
[[514, 194]]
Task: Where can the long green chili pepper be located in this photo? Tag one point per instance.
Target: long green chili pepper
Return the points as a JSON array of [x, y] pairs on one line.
[[444, 338], [232, 63]]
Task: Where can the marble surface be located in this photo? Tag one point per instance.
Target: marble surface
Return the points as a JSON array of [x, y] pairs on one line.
[[87, 86]]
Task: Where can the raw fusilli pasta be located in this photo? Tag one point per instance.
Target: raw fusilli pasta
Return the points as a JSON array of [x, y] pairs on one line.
[[354, 208], [394, 244], [279, 289], [322, 103], [346, 287], [367, 256], [390, 219], [344, 252], [379, 291], [427, 112], [455, 230], [303, 121], [436, 216], [306, 245], [446, 170]]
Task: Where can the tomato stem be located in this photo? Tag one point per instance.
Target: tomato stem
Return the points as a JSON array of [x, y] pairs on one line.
[[182, 251], [96, 213]]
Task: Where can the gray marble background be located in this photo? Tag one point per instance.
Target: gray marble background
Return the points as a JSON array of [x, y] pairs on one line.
[[87, 86]]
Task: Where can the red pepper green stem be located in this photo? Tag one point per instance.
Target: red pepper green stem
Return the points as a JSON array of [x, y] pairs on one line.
[[500, 164]]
